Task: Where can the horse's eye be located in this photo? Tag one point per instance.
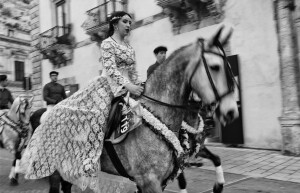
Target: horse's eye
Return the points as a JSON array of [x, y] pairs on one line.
[[215, 68]]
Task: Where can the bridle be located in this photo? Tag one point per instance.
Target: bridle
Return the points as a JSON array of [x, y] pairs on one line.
[[229, 75], [189, 106], [19, 113], [20, 127]]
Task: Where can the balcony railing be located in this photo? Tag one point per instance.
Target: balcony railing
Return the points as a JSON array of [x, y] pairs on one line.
[[51, 36], [167, 3], [191, 13], [98, 17], [56, 45]]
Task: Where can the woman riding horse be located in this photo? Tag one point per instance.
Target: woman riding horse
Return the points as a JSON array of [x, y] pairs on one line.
[[71, 139], [88, 111]]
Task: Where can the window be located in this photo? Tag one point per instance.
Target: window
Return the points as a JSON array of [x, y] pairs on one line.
[[19, 70], [11, 33], [60, 9], [71, 89]]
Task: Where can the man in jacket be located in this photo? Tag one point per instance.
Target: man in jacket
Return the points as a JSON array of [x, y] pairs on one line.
[[6, 99], [53, 93], [160, 54]]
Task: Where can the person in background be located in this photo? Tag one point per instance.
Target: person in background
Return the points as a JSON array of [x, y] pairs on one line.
[[53, 93], [160, 54], [6, 99]]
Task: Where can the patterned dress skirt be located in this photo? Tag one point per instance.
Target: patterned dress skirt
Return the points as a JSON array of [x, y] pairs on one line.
[[71, 138]]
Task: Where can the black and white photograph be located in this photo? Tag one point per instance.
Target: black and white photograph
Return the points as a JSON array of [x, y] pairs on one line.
[[149, 96]]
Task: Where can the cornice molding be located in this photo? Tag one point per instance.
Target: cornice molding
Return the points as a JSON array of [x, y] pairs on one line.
[[15, 40]]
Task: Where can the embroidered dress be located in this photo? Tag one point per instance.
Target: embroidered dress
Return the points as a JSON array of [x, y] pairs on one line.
[[71, 138]]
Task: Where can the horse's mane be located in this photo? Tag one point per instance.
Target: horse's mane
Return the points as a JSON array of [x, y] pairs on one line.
[[176, 52], [15, 104], [18, 100]]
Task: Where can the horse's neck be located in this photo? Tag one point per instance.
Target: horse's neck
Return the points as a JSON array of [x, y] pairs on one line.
[[11, 114], [167, 84], [192, 119]]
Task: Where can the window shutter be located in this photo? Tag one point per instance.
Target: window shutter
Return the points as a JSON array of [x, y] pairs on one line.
[[19, 70]]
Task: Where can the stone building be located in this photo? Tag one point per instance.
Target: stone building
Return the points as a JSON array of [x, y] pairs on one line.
[[15, 43], [263, 50]]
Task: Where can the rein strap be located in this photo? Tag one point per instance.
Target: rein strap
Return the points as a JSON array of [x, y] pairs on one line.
[[184, 107]]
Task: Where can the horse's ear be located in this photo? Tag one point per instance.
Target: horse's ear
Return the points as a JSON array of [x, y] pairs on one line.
[[211, 41], [30, 101], [224, 41]]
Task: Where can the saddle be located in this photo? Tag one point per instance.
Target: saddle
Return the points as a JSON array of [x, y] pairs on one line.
[[123, 118]]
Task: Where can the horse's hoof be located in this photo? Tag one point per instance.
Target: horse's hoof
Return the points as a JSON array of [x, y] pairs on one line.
[[13, 182], [218, 188], [183, 191]]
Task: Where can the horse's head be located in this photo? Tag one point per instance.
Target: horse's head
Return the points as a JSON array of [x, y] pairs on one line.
[[209, 75], [21, 109]]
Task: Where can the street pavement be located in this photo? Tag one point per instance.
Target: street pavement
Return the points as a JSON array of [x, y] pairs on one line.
[[246, 170]]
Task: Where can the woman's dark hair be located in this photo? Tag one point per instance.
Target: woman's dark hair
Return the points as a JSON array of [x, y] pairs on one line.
[[114, 18]]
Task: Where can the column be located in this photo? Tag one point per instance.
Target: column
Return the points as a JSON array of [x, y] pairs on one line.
[[290, 118], [35, 55]]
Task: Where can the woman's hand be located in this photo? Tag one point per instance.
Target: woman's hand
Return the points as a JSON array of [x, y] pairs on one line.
[[134, 89]]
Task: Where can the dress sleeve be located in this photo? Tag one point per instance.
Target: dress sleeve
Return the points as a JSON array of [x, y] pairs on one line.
[[109, 64], [133, 74]]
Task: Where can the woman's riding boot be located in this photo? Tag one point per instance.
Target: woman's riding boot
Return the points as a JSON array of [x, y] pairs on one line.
[[54, 181], [65, 186]]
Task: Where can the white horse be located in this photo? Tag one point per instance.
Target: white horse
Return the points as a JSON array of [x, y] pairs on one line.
[[15, 130]]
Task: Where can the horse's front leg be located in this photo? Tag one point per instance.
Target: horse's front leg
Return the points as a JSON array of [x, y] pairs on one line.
[[205, 153], [13, 175]]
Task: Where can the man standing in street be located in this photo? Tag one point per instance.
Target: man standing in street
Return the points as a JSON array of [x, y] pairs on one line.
[[6, 99], [53, 93], [160, 54]]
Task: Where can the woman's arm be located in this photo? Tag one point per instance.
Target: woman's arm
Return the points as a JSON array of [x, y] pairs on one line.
[[109, 64]]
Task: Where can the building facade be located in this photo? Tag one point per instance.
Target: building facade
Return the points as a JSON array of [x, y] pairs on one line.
[[15, 43], [67, 36]]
